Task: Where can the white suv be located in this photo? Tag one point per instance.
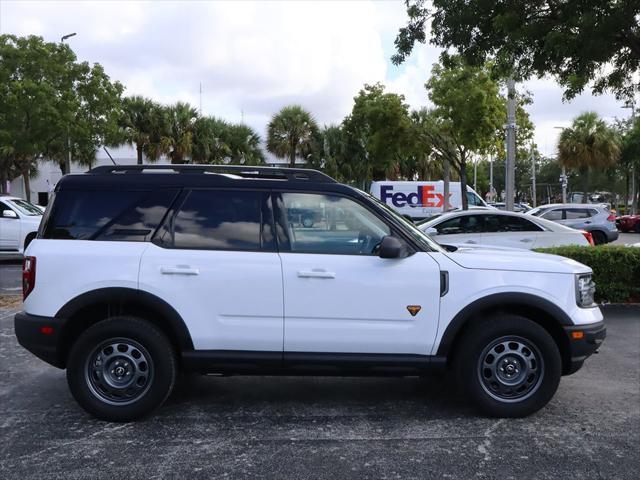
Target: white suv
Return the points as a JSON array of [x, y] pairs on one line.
[[19, 222], [139, 272]]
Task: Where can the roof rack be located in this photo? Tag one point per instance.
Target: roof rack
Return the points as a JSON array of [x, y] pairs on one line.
[[245, 171]]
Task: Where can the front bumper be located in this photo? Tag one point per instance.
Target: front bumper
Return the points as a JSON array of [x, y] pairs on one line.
[[584, 340], [41, 336]]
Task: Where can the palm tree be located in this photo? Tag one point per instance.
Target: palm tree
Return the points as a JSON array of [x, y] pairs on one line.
[[180, 124], [291, 133], [244, 144], [588, 143], [209, 144], [140, 125]]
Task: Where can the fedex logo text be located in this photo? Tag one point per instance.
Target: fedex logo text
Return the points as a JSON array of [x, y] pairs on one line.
[[425, 196]]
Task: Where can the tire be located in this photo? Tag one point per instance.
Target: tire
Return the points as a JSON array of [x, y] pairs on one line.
[[599, 238], [514, 382], [121, 369]]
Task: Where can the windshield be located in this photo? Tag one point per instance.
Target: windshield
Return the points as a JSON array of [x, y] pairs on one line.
[[414, 231], [26, 208]]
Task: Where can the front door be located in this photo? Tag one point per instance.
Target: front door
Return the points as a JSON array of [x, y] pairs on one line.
[[512, 231], [339, 295], [215, 262]]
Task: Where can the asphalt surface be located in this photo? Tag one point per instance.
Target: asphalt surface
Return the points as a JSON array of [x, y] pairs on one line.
[[334, 428]]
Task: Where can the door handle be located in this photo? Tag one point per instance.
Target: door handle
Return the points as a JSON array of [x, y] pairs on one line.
[[471, 241], [316, 274], [526, 240], [588, 222], [179, 270]]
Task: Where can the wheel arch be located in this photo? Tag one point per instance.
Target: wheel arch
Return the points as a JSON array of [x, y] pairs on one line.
[[545, 313], [96, 305]]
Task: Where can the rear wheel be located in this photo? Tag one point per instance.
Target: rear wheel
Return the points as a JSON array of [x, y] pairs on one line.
[[509, 365], [599, 238], [121, 369]]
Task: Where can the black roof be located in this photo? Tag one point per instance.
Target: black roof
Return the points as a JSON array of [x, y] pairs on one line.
[[198, 176]]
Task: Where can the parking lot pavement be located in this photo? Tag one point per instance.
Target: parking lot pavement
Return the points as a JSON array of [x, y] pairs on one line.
[[627, 238], [267, 427]]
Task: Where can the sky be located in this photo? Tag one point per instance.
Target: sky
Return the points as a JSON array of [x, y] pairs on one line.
[[253, 58]]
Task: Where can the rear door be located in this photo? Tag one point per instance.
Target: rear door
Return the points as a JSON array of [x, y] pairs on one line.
[[340, 297], [215, 261], [578, 218], [510, 231]]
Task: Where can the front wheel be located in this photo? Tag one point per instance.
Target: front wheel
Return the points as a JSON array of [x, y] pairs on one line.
[[509, 365], [121, 369]]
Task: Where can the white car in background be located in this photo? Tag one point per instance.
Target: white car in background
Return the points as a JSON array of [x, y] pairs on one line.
[[501, 229], [19, 223]]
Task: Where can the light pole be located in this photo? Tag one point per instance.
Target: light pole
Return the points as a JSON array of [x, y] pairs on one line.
[[634, 205], [533, 177], [67, 162], [563, 177], [510, 164], [491, 189]]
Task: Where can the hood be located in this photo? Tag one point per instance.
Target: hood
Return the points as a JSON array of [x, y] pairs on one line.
[[515, 261]]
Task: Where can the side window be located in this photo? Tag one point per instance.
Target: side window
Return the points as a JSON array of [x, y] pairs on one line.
[[575, 213], [473, 199], [461, 224], [509, 223], [330, 224], [553, 215], [221, 220]]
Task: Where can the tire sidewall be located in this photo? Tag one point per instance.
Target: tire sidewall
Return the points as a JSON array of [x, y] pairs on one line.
[[480, 336], [159, 350]]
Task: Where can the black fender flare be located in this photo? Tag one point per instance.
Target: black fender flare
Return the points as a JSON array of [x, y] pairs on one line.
[[121, 295], [498, 301]]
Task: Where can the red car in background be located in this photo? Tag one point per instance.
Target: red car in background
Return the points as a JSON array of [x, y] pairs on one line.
[[628, 223]]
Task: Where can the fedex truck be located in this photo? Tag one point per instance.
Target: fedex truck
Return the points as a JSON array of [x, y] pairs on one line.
[[422, 199]]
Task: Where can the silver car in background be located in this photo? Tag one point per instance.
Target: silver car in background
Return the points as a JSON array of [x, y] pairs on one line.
[[594, 218]]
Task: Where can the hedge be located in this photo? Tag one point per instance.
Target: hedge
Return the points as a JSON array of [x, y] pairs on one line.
[[616, 269]]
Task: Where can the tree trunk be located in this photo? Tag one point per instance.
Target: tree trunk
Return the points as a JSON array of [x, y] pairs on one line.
[[463, 183], [139, 151], [584, 176], [445, 174], [292, 155], [27, 183], [4, 178]]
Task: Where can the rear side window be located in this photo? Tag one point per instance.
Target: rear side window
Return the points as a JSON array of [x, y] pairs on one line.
[[553, 215], [107, 215], [221, 220], [573, 213]]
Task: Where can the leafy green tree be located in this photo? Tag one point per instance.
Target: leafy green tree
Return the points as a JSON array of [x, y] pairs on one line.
[[177, 140], [51, 104], [244, 144], [630, 158], [589, 143], [291, 133], [209, 144], [377, 133], [141, 125], [572, 39], [469, 109]]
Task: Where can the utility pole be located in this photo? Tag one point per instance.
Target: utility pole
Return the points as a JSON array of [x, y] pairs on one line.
[[634, 203], [510, 167], [67, 162], [491, 189], [475, 175], [533, 177]]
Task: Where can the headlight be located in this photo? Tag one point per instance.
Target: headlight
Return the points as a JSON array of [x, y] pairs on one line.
[[585, 290]]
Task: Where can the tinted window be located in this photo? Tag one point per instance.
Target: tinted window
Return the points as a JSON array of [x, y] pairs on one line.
[[106, 215], [27, 208], [221, 220], [461, 224], [573, 213], [508, 223], [4, 207], [473, 199], [329, 224], [553, 215]]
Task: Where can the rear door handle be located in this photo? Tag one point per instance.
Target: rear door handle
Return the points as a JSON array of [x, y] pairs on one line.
[[471, 241], [316, 274], [179, 270], [526, 240]]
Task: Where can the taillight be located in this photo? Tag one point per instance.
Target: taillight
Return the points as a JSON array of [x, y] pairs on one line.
[[589, 237], [611, 218], [28, 276]]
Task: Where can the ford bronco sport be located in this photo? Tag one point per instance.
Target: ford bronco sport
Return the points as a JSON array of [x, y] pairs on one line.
[[139, 272]]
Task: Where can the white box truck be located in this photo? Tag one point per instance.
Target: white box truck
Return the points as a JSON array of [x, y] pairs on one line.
[[422, 199]]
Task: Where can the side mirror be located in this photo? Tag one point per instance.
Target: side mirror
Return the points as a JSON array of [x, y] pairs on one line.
[[430, 231], [390, 247], [9, 214]]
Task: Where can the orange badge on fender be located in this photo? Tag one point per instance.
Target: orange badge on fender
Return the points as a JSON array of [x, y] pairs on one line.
[[413, 309]]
